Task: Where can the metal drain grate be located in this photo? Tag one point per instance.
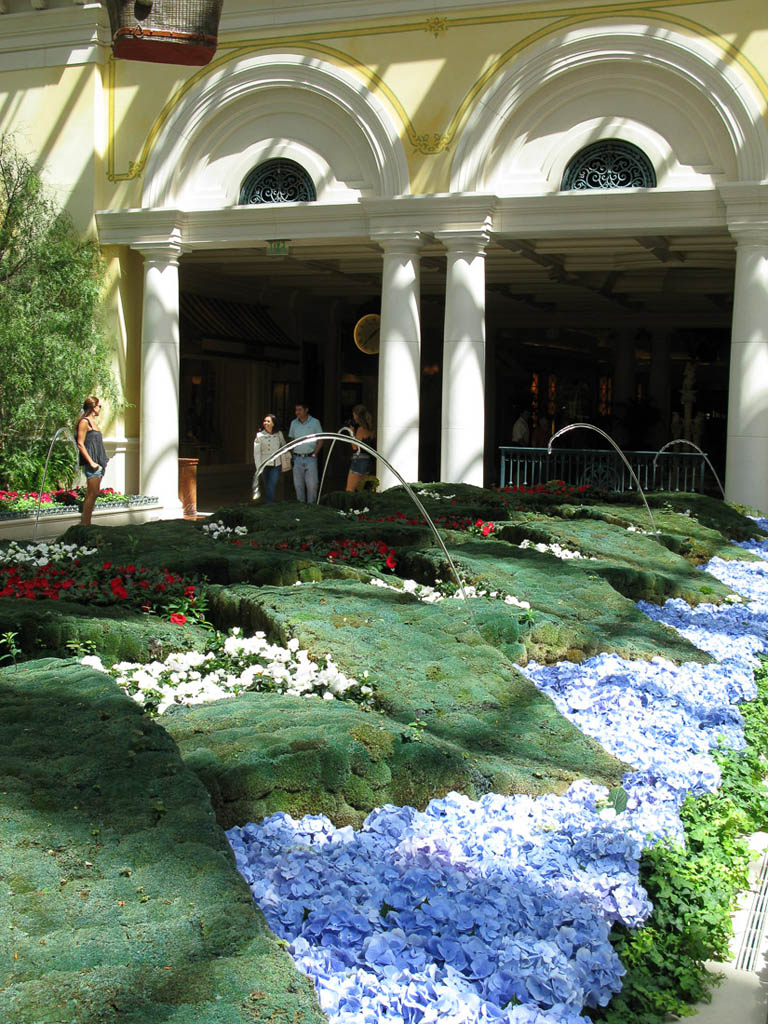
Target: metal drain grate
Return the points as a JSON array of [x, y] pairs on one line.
[[750, 946]]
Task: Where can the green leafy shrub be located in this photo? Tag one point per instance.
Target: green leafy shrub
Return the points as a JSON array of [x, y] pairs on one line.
[[54, 350], [693, 889]]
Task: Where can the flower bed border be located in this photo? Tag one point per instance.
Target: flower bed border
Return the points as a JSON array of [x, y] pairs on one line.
[[59, 509], [55, 523]]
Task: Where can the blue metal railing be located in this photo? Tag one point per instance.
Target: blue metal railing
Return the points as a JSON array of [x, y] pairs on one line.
[[673, 471]]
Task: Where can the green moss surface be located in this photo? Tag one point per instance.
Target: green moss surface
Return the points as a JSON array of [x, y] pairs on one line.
[[117, 885], [456, 710], [578, 612], [120, 897], [47, 627]]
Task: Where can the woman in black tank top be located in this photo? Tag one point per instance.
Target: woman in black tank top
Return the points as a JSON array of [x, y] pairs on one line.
[[92, 456]]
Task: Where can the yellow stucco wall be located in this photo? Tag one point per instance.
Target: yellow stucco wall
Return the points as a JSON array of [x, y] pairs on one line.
[[429, 72], [85, 125], [55, 115]]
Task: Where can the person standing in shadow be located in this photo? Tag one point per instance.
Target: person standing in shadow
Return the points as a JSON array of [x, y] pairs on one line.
[[521, 432], [267, 441], [541, 433], [361, 463], [305, 478]]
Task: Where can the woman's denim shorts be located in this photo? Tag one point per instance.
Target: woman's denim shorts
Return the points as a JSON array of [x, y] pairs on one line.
[[90, 473], [361, 464]]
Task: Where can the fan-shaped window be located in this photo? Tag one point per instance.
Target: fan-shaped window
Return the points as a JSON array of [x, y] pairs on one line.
[[609, 164], [278, 181]]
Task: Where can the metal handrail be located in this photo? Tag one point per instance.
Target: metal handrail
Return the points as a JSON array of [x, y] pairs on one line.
[[667, 471]]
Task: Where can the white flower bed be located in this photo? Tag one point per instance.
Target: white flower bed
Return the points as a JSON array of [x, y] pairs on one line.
[[239, 663], [553, 549], [42, 553], [432, 595], [426, 493], [217, 529]]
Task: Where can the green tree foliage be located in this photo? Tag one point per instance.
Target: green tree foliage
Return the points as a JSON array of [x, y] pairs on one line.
[[52, 347]]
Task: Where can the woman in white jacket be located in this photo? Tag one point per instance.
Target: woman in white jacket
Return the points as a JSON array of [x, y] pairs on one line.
[[266, 443]]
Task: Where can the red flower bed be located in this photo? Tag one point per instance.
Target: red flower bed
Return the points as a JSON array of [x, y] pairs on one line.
[[372, 554], [559, 488], [159, 591]]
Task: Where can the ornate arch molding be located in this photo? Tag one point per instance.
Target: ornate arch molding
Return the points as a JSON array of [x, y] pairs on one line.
[[207, 117], [639, 49]]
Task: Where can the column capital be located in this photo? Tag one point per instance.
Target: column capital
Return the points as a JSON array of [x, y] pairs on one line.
[[161, 250], [746, 211], [472, 241], [404, 240]]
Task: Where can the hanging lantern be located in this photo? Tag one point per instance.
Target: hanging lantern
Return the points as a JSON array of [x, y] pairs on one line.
[[165, 31]]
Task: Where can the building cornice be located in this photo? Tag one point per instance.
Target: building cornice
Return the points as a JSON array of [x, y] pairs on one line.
[[746, 207], [557, 215], [610, 213], [323, 14], [59, 37], [430, 214]]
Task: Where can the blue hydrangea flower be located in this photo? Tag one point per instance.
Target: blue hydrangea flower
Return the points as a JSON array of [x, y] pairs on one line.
[[500, 909]]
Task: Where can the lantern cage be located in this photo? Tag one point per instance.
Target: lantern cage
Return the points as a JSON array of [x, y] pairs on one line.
[[165, 31]]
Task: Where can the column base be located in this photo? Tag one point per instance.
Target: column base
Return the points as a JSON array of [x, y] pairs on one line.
[[746, 476]]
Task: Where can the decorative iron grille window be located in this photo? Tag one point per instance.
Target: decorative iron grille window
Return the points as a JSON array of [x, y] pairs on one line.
[[609, 164], [277, 181]]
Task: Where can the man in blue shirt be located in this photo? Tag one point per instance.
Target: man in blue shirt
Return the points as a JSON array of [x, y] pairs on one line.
[[305, 455]]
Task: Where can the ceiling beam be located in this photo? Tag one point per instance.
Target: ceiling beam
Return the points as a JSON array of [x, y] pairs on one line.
[[658, 246], [557, 272], [329, 270], [554, 264]]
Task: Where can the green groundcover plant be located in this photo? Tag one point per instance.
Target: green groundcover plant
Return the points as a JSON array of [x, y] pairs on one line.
[[693, 890]]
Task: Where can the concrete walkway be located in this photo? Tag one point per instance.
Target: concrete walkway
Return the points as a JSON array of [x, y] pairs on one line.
[[742, 998]]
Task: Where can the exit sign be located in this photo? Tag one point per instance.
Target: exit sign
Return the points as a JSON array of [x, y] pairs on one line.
[[277, 246]]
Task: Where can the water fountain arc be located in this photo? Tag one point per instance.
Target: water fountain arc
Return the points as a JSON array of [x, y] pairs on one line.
[[602, 433], [67, 435], [684, 440], [329, 436], [342, 430]]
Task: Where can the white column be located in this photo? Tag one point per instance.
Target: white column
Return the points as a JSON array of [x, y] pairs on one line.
[[463, 413], [397, 430], [746, 467], [159, 449]]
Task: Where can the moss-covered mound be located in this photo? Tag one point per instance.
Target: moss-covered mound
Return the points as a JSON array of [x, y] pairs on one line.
[[260, 753], [119, 893], [639, 566], [679, 529], [455, 711], [577, 613], [63, 627]]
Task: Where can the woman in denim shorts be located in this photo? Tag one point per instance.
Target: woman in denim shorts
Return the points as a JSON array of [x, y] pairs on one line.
[[92, 457], [362, 463]]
